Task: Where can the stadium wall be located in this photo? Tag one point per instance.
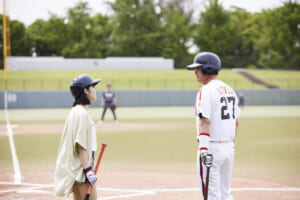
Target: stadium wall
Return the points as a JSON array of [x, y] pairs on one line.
[[110, 63], [128, 98]]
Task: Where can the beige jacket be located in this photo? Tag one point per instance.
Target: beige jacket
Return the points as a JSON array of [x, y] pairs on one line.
[[78, 129]]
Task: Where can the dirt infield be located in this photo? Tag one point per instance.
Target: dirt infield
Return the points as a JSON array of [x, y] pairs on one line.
[[128, 183], [142, 186]]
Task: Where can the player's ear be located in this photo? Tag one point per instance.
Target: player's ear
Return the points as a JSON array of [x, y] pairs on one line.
[[86, 90]]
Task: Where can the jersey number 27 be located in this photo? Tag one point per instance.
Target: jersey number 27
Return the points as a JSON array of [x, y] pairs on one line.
[[225, 111]]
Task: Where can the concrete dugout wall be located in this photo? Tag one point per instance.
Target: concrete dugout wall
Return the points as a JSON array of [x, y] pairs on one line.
[[62, 99], [109, 63]]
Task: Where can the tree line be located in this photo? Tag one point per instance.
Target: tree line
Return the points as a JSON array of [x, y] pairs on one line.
[[165, 28]]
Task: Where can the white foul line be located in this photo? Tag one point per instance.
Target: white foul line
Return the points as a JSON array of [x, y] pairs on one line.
[[194, 189], [26, 184], [17, 177], [265, 189], [127, 195], [145, 192]]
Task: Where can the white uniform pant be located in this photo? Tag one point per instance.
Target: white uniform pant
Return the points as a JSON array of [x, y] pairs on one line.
[[220, 172]]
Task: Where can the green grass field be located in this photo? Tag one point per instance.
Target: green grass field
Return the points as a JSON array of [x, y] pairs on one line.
[[281, 78], [148, 79], [267, 147], [123, 79]]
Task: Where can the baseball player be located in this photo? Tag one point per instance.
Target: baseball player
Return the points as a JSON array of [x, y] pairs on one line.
[[75, 159], [108, 100], [241, 98], [217, 115]]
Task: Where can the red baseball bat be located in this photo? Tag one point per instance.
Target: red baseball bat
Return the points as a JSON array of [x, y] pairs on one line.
[[87, 196]]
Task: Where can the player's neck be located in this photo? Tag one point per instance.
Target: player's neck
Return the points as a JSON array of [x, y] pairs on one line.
[[210, 78], [85, 106]]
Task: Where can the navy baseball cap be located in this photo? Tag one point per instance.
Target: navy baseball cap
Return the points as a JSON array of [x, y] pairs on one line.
[[80, 82]]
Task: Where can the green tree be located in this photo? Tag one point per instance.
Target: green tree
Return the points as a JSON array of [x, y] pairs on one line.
[[49, 37], [101, 33], [271, 60], [88, 37], [215, 32], [280, 36], [176, 31], [184, 7], [78, 22], [21, 44], [137, 28], [242, 20], [248, 28]]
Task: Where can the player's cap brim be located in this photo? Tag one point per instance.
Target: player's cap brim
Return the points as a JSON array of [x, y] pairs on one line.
[[193, 66], [96, 81]]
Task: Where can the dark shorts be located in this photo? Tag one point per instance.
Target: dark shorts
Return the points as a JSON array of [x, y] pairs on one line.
[[79, 183]]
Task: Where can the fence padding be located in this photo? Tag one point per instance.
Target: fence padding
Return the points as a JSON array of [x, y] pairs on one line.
[[61, 99]]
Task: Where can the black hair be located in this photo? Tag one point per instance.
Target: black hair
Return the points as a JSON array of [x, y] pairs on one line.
[[82, 99], [210, 71]]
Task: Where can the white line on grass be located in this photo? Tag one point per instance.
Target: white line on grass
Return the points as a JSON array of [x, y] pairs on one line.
[[17, 176]]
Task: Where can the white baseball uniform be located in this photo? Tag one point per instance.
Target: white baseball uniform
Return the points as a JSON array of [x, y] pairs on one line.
[[219, 103]]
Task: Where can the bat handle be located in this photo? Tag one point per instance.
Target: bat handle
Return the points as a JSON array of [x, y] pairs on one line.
[[207, 182], [87, 196]]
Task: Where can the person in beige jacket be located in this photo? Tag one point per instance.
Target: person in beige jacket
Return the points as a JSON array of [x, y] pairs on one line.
[[75, 159]]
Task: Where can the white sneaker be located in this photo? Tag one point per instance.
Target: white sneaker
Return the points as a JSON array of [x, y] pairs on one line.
[[116, 121], [100, 122]]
